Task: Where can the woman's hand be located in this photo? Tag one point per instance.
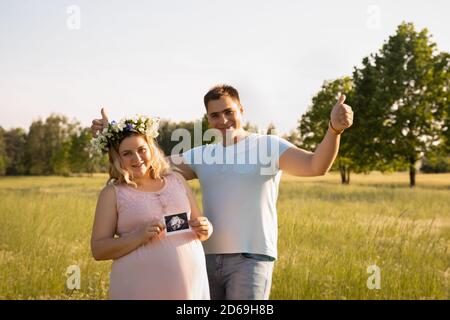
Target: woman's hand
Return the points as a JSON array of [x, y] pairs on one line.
[[202, 227], [151, 230]]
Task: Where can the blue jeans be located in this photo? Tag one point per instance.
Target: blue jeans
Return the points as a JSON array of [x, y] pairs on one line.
[[239, 276]]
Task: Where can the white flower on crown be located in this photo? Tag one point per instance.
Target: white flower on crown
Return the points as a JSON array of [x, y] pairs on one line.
[[152, 127], [136, 118]]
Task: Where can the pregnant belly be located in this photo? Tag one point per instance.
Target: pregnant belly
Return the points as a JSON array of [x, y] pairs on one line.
[[163, 269]]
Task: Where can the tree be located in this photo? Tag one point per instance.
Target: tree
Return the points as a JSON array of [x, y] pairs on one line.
[[167, 128], [58, 131], [400, 94], [15, 140], [35, 151], [313, 125], [79, 152], [48, 144], [441, 86], [271, 129], [369, 134], [250, 127], [436, 163], [293, 137]]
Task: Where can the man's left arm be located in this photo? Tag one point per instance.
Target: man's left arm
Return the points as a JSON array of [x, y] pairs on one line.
[[299, 162]]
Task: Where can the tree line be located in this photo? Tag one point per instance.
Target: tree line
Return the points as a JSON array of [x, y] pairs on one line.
[[54, 146], [59, 146]]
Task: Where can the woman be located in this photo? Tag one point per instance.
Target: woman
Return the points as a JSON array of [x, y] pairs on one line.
[[129, 225]]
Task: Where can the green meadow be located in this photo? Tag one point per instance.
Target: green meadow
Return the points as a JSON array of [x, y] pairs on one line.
[[329, 235]]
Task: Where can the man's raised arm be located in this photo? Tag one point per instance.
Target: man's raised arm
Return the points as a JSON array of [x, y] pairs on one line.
[[302, 163]]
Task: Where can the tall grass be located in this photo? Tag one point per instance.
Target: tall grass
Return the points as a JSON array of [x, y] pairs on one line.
[[45, 225], [329, 235]]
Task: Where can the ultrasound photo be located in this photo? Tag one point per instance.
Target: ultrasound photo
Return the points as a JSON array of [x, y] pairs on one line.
[[176, 223]]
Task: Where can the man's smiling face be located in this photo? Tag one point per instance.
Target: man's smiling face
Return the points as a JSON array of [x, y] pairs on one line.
[[225, 114]]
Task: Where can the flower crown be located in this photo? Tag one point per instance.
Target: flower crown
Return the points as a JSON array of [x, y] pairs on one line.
[[115, 131]]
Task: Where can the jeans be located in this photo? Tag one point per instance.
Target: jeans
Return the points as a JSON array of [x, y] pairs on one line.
[[239, 276]]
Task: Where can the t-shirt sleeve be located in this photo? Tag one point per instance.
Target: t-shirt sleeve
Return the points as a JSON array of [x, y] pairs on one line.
[[277, 147], [282, 143]]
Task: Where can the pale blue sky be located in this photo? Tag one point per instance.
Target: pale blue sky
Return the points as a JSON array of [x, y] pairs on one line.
[[160, 57]]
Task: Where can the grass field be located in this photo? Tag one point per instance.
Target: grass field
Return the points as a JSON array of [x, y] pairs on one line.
[[329, 234]]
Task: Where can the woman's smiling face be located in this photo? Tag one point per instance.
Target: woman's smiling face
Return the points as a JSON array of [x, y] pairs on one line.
[[134, 152]]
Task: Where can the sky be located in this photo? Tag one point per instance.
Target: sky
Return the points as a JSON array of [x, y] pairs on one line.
[[159, 58]]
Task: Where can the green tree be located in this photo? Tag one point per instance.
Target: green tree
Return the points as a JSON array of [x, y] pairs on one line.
[[271, 129], [167, 141], [436, 163], [15, 140], [250, 127], [48, 144], [79, 152], [371, 120], [58, 131], [441, 85], [293, 137], [35, 151], [400, 94]]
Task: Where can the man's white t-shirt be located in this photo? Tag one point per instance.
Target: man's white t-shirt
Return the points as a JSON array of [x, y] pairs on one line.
[[239, 186]]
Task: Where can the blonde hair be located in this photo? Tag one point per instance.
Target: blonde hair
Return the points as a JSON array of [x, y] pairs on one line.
[[159, 166]]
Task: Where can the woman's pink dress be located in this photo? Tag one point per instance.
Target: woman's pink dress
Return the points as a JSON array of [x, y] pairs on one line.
[[167, 267]]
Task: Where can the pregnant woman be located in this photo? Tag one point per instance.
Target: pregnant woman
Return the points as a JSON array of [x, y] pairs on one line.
[[128, 225]]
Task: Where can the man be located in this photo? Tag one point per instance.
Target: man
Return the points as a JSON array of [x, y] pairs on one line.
[[240, 190]]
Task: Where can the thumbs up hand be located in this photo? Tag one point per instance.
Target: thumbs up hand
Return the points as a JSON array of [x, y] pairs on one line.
[[341, 115], [99, 124], [105, 121]]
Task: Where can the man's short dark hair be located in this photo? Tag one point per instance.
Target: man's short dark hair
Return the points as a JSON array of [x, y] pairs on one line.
[[219, 91]]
